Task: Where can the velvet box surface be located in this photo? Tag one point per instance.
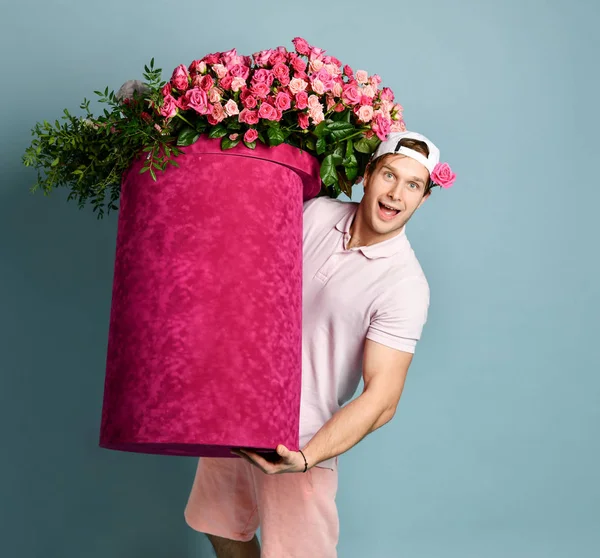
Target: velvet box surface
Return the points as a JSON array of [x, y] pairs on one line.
[[204, 347]]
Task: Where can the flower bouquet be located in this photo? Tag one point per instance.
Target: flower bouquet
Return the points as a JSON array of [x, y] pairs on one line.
[[210, 170], [304, 98]]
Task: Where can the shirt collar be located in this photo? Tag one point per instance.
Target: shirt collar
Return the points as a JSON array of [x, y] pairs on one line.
[[383, 249]]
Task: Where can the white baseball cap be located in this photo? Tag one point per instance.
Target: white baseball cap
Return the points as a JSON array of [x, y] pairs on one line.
[[392, 145]]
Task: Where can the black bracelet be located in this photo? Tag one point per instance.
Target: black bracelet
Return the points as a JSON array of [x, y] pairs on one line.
[[305, 462]]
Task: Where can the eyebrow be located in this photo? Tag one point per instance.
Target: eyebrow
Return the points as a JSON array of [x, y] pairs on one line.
[[411, 178]]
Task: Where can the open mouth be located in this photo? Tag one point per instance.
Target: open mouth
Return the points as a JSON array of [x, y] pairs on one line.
[[386, 212]]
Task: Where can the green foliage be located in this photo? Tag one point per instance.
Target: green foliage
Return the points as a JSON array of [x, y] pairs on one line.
[[89, 154]]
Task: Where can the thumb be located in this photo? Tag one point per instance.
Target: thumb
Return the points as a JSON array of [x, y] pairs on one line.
[[283, 451]]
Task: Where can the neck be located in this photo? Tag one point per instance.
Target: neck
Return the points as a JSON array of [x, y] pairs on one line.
[[360, 235]]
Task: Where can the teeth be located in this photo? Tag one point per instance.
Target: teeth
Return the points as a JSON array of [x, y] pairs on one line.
[[388, 207]]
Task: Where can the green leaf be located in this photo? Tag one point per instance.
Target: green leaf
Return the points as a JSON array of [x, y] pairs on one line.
[[276, 136], [217, 131], [328, 172], [310, 145], [321, 146], [250, 145], [362, 146], [187, 136], [227, 143], [343, 116], [341, 130], [367, 146], [321, 129], [351, 172], [55, 162]]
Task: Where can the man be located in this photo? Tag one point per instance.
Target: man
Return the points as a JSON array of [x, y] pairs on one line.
[[365, 302]]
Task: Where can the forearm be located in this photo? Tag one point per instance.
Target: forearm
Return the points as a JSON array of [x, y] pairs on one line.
[[347, 427]]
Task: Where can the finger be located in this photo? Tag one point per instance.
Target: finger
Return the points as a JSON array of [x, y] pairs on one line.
[[283, 451], [260, 462]]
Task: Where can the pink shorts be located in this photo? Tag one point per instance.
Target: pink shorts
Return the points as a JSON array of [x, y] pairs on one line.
[[296, 512]]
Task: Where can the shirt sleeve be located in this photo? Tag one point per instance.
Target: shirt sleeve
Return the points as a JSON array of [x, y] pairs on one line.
[[398, 322]]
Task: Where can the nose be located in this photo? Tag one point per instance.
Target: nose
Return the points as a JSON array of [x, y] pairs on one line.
[[395, 193]]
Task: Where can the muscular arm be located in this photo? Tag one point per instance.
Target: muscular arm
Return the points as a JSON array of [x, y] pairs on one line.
[[384, 373]]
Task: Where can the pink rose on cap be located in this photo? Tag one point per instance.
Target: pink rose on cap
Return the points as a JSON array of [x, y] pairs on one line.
[[443, 176]]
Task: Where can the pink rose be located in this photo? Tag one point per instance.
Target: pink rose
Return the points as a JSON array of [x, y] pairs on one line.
[[233, 137], [267, 111], [369, 91], [297, 85], [301, 75], [318, 87], [301, 100], [362, 76], [248, 100], [301, 46], [238, 83], [351, 95], [217, 113], [332, 60], [263, 76], [226, 82], [179, 79], [348, 72], [316, 113], [166, 90], [206, 83], [299, 64], [375, 80], [330, 102], [315, 65], [220, 70], [316, 53], [365, 113], [283, 101], [248, 117], [282, 73], [313, 101], [212, 58], [337, 89], [262, 58], [332, 70], [240, 71], [197, 100], [443, 176], [260, 90], [399, 108], [303, 120], [198, 67], [229, 57], [169, 107], [387, 95], [381, 126], [251, 135], [278, 57], [197, 80], [398, 126], [386, 106], [214, 95], [231, 108]]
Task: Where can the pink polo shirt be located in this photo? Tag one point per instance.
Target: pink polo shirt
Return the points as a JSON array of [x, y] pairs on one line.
[[376, 292]]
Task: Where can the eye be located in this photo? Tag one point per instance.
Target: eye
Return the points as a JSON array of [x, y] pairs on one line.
[[413, 186], [389, 175]]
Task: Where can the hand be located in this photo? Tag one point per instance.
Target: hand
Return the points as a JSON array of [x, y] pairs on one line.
[[289, 461]]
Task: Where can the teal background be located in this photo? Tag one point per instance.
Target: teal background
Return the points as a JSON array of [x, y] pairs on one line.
[[494, 450]]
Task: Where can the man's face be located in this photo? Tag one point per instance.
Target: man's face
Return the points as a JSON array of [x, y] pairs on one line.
[[392, 193]]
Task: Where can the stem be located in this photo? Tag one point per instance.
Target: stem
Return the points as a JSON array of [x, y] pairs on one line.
[[182, 118]]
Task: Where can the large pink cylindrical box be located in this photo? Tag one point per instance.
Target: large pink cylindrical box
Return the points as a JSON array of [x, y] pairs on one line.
[[204, 348]]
